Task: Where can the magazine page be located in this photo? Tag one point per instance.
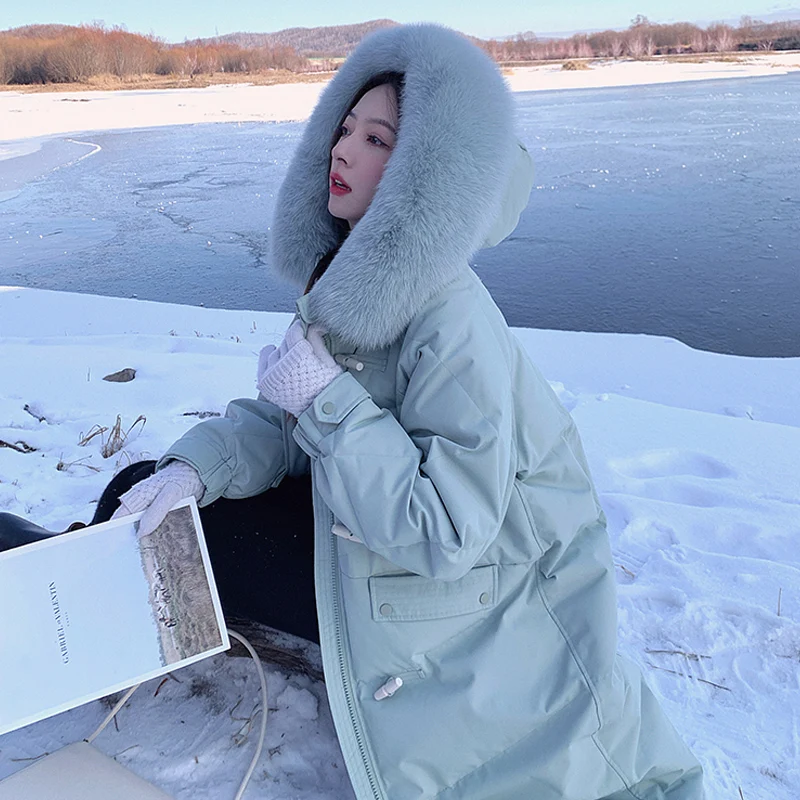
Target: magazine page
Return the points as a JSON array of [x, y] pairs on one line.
[[91, 612]]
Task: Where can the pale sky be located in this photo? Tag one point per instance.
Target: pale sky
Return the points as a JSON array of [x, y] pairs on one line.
[[175, 20]]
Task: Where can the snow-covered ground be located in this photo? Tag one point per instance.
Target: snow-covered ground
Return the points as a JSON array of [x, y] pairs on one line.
[[696, 460], [25, 114]]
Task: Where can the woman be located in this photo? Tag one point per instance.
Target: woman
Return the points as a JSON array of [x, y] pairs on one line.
[[465, 591]]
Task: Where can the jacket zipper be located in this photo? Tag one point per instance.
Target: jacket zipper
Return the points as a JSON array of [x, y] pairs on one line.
[[342, 672]]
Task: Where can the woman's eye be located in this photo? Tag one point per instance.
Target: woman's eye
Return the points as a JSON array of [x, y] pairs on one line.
[[372, 139], [342, 130]]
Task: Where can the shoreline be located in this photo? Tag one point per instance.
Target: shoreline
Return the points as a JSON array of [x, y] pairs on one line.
[[33, 115]]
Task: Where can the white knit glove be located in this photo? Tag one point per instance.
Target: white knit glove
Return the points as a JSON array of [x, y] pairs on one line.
[[292, 375], [157, 494]]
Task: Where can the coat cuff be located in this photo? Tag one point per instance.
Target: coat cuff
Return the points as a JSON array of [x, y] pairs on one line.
[[328, 409], [197, 453]]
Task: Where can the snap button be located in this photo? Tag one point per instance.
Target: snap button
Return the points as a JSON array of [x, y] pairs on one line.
[[485, 598], [327, 408], [386, 610], [388, 688]]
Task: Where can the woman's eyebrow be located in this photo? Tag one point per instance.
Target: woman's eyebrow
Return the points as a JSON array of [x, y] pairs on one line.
[[376, 121]]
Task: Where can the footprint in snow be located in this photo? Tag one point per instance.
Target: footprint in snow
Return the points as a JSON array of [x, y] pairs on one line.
[[671, 463], [722, 777], [681, 492]]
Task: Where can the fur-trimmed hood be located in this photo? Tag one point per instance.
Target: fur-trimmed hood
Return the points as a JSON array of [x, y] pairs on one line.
[[457, 180]]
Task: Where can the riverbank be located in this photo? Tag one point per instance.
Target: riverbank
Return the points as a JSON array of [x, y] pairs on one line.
[[26, 115]]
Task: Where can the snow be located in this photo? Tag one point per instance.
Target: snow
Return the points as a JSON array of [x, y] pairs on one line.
[[695, 459], [43, 114]]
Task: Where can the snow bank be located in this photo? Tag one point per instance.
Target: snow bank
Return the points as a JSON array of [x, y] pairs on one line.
[[695, 459], [25, 115]]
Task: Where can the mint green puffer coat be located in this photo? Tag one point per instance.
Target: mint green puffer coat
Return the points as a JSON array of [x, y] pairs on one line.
[[478, 571]]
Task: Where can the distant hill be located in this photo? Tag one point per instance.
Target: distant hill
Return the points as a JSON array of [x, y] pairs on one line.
[[38, 31], [779, 15], [783, 15], [322, 42]]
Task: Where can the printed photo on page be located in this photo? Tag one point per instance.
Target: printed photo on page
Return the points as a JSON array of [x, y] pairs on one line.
[[87, 613]]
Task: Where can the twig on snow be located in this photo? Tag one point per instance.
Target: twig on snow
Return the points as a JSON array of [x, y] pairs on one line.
[[626, 571], [130, 747], [20, 447], [30, 411], [163, 681], [692, 656], [683, 675], [63, 466], [30, 758]]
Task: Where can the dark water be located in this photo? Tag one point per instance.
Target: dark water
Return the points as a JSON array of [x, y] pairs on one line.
[[670, 210]]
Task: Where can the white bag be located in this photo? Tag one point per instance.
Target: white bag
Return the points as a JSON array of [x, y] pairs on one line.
[[78, 772], [81, 772]]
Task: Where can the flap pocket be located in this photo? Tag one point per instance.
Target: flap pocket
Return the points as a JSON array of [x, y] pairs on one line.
[[408, 598]]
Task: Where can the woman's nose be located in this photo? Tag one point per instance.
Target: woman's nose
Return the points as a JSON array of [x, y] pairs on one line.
[[340, 151]]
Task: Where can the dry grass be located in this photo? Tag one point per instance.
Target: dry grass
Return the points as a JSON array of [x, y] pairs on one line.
[[116, 438], [573, 65], [113, 83], [704, 58], [64, 466]]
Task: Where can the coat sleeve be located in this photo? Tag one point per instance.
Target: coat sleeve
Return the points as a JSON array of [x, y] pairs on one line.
[[427, 490], [242, 454]]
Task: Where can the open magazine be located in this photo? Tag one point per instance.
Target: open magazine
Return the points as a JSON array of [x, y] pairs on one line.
[[88, 613]]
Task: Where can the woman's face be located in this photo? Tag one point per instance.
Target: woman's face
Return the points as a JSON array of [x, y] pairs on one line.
[[366, 140]]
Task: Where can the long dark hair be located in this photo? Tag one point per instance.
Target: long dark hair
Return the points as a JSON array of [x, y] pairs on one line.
[[396, 80]]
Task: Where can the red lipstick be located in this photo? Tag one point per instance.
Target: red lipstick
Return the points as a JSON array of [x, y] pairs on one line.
[[338, 185]]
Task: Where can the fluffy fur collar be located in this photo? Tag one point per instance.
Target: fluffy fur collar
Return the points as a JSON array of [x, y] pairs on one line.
[[439, 195]]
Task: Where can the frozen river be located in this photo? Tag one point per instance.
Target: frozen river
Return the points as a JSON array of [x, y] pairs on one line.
[[671, 209]]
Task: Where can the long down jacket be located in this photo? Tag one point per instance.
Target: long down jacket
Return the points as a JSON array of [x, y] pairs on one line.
[[479, 569]]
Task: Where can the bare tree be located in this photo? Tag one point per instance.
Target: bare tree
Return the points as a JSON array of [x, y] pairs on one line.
[[190, 62], [5, 66], [492, 47], [640, 37], [721, 37], [747, 27], [636, 46], [77, 56], [698, 43], [119, 54], [519, 48]]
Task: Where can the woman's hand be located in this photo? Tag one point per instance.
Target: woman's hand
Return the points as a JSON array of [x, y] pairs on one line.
[[157, 494], [292, 375]]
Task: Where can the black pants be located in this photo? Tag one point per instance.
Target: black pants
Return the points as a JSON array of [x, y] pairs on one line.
[[261, 549]]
